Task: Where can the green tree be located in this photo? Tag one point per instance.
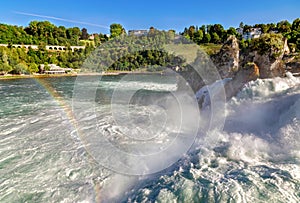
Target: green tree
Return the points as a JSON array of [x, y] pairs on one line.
[[33, 68], [232, 31], [53, 60], [247, 28], [284, 26], [20, 68], [264, 28], [32, 29], [241, 25], [219, 29], [191, 32], [84, 34], [198, 36], [4, 57], [116, 30], [5, 68], [151, 31], [215, 38], [42, 46], [268, 42], [206, 38], [271, 27], [296, 25]]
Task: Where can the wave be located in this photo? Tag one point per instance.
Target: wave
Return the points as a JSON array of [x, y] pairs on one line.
[[255, 158], [134, 85]]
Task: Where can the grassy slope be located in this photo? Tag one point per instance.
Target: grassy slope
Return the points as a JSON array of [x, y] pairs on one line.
[[210, 48], [189, 51]]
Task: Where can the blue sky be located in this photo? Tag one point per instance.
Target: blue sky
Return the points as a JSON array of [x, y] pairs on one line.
[[97, 15]]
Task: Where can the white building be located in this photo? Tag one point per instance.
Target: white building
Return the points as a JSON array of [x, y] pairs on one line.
[[252, 34], [55, 69], [138, 32]]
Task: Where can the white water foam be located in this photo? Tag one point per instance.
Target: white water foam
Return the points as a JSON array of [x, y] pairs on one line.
[[133, 85], [254, 159]]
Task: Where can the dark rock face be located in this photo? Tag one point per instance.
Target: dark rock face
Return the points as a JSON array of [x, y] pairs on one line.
[[244, 75], [269, 67], [227, 60], [293, 67], [198, 74], [189, 77], [203, 70]]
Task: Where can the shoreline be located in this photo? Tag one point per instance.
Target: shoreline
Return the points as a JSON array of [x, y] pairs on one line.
[[116, 73], [10, 77]]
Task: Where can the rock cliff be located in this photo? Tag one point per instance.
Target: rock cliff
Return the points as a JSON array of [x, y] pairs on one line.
[[267, 53], [264, 58], [249, 72], [227, 60]]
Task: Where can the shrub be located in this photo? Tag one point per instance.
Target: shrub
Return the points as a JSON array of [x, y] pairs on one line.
[[268, 43]]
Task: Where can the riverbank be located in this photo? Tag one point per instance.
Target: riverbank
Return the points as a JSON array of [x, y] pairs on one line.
[[114, 73], [9, 77]]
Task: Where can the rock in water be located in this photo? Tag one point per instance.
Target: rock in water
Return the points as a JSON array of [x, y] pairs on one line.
[[263, 59], [231, 86], [249, 72], [199, 73], [267, 53], [293, 67]]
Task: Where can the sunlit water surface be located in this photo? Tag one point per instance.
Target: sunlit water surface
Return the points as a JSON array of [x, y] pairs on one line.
[[255, 158]]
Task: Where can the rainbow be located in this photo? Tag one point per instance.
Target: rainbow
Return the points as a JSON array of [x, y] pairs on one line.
[[69, 113]]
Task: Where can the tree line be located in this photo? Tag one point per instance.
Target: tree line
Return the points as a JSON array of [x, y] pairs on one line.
[[22, 61], [42, 33], [129, 53], [217, 34]]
